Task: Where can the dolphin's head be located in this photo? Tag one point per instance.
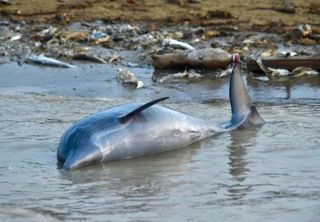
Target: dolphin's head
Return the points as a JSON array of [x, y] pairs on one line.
[[77, 148]]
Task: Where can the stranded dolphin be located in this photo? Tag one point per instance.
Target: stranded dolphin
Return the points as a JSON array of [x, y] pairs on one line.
[[137, 129]]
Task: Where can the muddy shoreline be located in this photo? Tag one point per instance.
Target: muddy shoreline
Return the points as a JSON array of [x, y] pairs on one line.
[[100, 42], [248, 16], [130, 32], [99, 81]]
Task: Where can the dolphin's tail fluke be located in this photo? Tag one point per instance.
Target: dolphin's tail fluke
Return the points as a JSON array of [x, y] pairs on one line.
[[244, 114]]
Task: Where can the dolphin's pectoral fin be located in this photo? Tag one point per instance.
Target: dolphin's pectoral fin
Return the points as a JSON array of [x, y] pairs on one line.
[[128, 116]]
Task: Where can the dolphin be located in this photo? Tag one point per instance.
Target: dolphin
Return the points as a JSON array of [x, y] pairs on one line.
[[137, 129]]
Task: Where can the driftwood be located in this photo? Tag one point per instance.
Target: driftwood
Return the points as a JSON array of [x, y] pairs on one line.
[[208, 58], [289, 63]]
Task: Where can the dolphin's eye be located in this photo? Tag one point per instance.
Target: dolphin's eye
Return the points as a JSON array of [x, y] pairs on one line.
[[176, 132]]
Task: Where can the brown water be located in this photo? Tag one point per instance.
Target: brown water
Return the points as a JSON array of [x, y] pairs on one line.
[[270, 173]]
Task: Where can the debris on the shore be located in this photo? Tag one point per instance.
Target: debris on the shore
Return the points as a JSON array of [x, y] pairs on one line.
[[258, 42], [114, 58], [177, 44], [208, 58], [6, 33], [224, 73], [100, 38], [189, 75], [178, 47], [271, 72], [289, 63], [45, 34], [75, 36], [5, 2], [277, 72], [43, 60], [286, 6], [261, 78], [278, 52], [281, 72], [303, 71], [127, 77], [88, 57], [300, 31], [16, 37]]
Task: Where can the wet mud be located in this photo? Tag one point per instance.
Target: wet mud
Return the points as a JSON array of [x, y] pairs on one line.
[[269, 173]]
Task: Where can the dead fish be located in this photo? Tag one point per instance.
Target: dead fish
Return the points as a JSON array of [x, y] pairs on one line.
[[125, 76], [41, 59], [181, 75], [303, 71], [224, 73], [177, 44], [46, 34], [15, 38], [92, 58], [278, 52], [261, 78], [270, 72], [278, 72]]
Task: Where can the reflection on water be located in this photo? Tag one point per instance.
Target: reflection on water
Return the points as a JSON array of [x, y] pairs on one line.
[[243, 175], [128, 171], [287, 88], [241, 140]]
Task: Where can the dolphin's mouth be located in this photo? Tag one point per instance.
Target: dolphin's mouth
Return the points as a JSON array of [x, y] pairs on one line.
[[69, 162], [61, 163]]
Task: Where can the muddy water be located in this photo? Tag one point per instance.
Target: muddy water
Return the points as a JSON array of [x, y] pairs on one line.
[[270, 173]]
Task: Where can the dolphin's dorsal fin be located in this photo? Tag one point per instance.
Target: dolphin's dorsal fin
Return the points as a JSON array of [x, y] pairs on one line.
[[128, 116]]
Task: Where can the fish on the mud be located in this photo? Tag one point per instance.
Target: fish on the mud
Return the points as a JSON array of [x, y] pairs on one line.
[[43, 60]]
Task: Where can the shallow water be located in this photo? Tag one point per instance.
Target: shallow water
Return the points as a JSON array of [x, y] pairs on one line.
[[270, 173]]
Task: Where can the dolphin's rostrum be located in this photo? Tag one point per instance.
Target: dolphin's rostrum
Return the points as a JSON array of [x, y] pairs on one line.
[[136, 129]]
